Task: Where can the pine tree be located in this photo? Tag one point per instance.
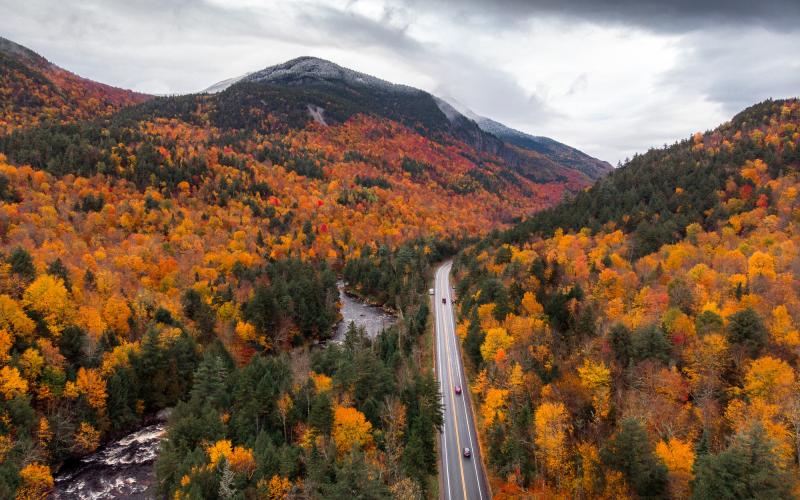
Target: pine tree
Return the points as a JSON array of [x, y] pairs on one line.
[[631, 453], [747, 329], [747, 469]]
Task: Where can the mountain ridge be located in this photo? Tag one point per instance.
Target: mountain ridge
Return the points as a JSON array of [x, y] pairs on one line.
[[657, 194], [39, 90], [568, 155], [485, 134]]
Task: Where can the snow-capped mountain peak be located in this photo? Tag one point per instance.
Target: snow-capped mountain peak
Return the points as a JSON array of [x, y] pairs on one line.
[[308, 70]]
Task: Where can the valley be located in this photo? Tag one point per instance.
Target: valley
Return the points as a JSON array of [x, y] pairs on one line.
[[310, 282]]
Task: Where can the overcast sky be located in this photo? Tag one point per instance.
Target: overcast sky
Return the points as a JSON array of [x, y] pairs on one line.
[[611, 77]]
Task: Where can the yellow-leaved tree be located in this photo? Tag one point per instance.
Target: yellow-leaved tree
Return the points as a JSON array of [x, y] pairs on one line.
[[530, 305], [678, 456], [49, 297], [596, 378], [218, 450], [11, 383], [36, 482], [769, 379], [31, 362], [782, 328], [496, 339], [494, 405], [278, 488], [116, 314], [92, 386], [87, 438], [760, 264], [550, 429], [239, 458], [6, 341], [350, 428], [14, 319]]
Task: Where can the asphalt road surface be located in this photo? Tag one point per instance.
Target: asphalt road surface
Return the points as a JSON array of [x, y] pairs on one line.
[[461, 477]]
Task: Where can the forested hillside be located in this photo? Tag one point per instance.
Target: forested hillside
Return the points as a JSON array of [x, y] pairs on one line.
[[356, 418], [642, 339], [659, 193], [376, 174]]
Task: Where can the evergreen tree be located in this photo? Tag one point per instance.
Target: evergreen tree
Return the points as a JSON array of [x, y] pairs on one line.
[[650, 342], [747, 469], [59, 270], [631, 453], [621, 343], [747, 329], [22, 264]]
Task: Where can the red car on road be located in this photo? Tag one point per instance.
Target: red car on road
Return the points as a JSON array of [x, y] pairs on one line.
[[467, 452], [458, 389]]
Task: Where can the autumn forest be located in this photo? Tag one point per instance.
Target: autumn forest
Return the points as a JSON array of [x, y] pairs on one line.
[[633, 333]]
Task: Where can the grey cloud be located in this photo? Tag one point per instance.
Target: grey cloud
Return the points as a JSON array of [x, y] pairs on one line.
[[737, 68], [490, 92], [350, 29], [674, 16], [579, 84]]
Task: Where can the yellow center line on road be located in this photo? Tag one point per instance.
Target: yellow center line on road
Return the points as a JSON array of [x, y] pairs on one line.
[[455, 414]]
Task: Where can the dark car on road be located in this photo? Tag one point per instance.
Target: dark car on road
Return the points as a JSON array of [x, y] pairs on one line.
[[467, 452], [444, 300], [458, 389]]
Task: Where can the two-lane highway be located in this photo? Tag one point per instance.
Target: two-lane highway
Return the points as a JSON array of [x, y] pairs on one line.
[[462, 477]]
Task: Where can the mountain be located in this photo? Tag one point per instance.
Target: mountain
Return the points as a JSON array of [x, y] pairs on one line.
[[376, 154], [32, 90], [542, 158], [183, 253], [304, 71]]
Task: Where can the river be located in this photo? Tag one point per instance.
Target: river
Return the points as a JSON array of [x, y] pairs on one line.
[[124, 468], [374, 319]]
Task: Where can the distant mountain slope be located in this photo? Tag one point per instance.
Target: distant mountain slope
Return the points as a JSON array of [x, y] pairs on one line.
[[32, 90], [556, 151], [360, 92]]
